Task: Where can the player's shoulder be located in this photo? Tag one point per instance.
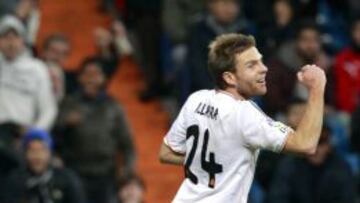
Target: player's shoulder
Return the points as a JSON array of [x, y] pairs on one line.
[[250, 105], [200, 94], [197, 98], [251, 111], [220, 100]]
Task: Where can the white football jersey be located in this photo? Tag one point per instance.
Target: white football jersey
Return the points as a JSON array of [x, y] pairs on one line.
[[221, 138]]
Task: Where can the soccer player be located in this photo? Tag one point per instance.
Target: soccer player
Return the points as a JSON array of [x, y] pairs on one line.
[[218, 134]]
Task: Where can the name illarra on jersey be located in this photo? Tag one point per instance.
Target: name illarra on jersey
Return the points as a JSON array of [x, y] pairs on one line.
[[207, 110]]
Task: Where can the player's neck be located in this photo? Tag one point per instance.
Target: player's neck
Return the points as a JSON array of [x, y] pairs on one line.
[[233, 93]]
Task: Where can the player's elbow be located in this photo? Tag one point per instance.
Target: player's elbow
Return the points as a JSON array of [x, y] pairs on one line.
[[309, 150], [166, 158], [297, 144], [163, 155], [162, 158]]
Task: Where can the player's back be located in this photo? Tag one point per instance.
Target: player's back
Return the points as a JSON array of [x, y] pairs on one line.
[[219, 167]]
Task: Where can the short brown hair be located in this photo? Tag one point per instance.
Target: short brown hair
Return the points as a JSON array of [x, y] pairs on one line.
[[222, 54]]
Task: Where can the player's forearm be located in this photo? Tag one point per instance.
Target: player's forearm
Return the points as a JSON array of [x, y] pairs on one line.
[[167, 156], [173, 159], [309, 129]]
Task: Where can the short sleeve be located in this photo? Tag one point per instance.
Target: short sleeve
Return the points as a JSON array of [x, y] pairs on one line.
[[261, 132], [176, 136]]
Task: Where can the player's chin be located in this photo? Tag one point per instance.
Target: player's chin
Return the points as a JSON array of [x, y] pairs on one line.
[[261, 91]]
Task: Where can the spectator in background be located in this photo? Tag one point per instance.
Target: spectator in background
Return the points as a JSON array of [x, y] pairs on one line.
[[93, 136], [28, 12], [322, 177], [178, 16], [347, 73], [26, 98], [131, 189], [121, 39], [55, 51], [224, 16], [57, 78], [144, 17], [282, 84], [112, 45], [38, 181], [280, 30]]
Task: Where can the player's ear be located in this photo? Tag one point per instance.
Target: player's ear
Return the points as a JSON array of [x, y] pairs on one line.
[[229, 78]]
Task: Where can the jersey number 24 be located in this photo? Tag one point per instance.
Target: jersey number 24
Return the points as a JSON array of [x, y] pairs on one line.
[[211, 167]]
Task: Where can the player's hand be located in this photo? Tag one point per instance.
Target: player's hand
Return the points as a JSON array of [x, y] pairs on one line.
[[312, 77]]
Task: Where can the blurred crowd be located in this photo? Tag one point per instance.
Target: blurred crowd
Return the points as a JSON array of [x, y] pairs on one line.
[[63, 138]]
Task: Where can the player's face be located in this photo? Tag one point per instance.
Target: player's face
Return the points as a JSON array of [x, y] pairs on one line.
[[250, 73]]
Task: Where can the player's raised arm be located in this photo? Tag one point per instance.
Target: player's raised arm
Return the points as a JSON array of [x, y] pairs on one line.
[[305, 139]]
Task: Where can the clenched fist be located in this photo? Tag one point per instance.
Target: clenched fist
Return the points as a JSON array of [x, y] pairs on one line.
[[312, 77]]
